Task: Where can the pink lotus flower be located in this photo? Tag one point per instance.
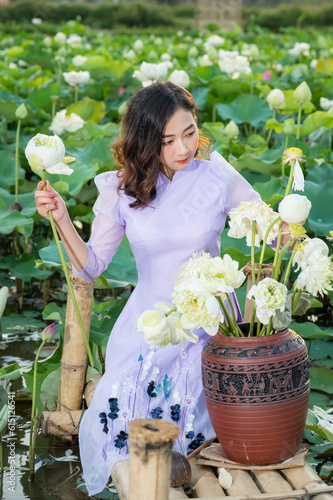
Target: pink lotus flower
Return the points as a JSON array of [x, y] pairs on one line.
[[48, 333], [266, 76]]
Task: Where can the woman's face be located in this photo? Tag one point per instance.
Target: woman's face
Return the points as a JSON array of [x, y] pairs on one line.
[[179, 142]]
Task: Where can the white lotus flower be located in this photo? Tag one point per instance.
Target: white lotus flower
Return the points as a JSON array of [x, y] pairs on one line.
[[177, 332], [214, 41], [269, 296], [138, 45], [224, 54], [192, 268], [275, 99], [155, 328], [62, 123], [76, 78], [325, 103], [231, 130], [315, 265], [47, 41], [12, 65], [129, 54], [150, 72], [60, 38], [295, 154], [314, 64], [180, 77], [300, 48], [325, 419], [199, 308], [74, 40], [193, 52], [79, 60], [37, 21], [250, 50], [241, 222], [294, 208], [235, 65], [45, 152], [165, 57], [221, 276], [204, 61]]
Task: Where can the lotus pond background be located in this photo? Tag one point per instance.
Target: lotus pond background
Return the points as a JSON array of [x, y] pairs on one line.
[[233, 112]]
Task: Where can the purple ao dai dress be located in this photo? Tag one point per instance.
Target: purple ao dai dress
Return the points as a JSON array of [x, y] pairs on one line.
[[187, 216]]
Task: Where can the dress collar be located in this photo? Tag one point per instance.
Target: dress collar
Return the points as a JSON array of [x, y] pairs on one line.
[[178, 175]]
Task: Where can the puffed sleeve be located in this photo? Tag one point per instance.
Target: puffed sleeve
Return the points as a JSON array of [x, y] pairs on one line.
[[235, 188], [108, 227]]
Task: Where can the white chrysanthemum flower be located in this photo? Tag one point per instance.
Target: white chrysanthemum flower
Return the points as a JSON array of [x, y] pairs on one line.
[[79, 60], [192, 268], [76, 78], [45, 152], [325, 103], [294, 208], [221, 275], [241, 222], [180, 77], [295, 154], [269, 296], [62, 123], [276, 99], [315, 265], [300, 48], [199, 308], [155, 328]]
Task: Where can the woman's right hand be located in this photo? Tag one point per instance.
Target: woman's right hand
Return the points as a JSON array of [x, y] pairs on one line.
[[50, 200]]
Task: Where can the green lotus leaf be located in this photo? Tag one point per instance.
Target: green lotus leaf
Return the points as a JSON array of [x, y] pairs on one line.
[[314, 121], [221, 86], [272, 123], [88, 109], [309, 330], [7, 167], [320, 173], [26, 200], [3, 417], [271, 192], [321, 379], [82, 172], [245, 109], [325, 65], [200, 95], [14, 221], [291, 106], [320, 219], [22, 266], [252, 163]]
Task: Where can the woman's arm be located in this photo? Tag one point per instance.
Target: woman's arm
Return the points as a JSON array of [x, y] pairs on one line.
[[75, 247]]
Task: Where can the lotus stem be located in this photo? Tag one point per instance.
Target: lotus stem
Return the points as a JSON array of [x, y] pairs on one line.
[[76, 93], [233, 314], [32, 456], [283, 251], [253, 274], [171, 311], [70, 288], [270, 130], [264, 247], [285, 147], [286, 278], [17, 159], [278, 244], [33, 404], [295, 300], [233, 327], [290, 180], [299, 120]]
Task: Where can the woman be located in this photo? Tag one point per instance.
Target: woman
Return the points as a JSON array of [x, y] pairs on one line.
[[170, 204]]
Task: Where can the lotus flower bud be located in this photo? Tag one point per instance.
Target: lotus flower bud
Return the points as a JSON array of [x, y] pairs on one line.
[[302, 93], [254, 52], [212, 53], [21, 112], [294, 208], [231, 130], [288, 127], [193, 52], [275, 98], [180, 77], [48, 333]]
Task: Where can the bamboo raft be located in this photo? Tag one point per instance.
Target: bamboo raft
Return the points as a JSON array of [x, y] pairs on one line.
[[146, 476]]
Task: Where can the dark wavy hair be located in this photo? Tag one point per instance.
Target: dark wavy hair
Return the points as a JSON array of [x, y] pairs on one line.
[[138, 149]]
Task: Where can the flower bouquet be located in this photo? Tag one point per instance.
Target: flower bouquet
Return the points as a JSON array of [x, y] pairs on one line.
[[203, 296]]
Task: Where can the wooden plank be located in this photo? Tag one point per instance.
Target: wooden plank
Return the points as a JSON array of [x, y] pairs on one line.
[[298, 494], [306, 477], [203, 481]]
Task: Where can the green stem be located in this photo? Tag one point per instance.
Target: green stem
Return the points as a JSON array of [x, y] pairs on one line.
[[232, 327], [286, 278], [276, 255], [54, 103], [253, 274], [33, 447], [70, 288], [171, 311], [283, 251], [33, 404], [101, 358], [330, 140], [264, 247], [299, 120], [295, 300], [17, 160], [285, 147], [232, 308], [323, 137], [291, 176], [271, 130]]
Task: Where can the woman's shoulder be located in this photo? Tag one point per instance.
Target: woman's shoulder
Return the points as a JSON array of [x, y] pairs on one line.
[[217, 166], [107, 181]]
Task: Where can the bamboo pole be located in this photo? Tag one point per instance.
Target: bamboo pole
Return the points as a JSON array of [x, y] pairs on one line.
[[151, 443], [242, 481], [177, 493], [203, 481], [306, 477], [74, 355], [270, 481], [90, 388], [265, 273], [60, 423], [298, 494]]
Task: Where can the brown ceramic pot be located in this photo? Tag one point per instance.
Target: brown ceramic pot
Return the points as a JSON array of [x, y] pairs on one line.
[[257, 393]]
